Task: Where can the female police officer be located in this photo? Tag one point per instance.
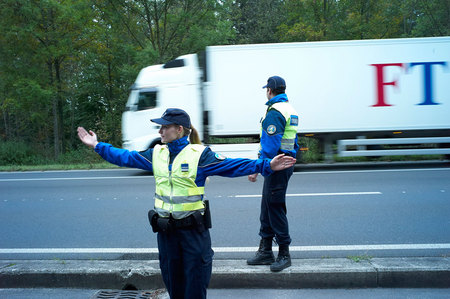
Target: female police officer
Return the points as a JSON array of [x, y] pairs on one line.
[[180, 216]]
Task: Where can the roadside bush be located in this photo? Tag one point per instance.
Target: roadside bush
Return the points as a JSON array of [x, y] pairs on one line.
[[309, 150], [83, 155], [18, 153]]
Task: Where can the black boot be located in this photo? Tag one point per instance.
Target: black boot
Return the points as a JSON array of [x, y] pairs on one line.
[[283, 260], [264, 255]]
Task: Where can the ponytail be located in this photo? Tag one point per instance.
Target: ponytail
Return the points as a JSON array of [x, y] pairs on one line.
[[194, 138]]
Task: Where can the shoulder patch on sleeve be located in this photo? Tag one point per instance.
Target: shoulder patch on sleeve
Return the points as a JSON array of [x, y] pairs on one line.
[[220, 157], [271, 129], [294, 120]]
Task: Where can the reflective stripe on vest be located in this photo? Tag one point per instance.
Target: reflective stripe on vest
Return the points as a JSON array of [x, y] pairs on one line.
[[180, 207], [176, 191], [290, 130]]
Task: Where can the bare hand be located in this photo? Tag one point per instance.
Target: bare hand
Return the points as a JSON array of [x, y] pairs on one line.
[[281, 162], [90, 139], [252, 177]]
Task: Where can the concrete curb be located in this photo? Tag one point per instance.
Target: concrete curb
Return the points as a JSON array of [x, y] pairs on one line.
[[427, 272]]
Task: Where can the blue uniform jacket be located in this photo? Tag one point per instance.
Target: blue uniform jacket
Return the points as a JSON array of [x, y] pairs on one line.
[[271, 142], [210, 163]]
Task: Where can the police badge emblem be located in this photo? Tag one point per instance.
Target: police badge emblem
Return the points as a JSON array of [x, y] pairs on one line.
[[271, 129], [220, 157]]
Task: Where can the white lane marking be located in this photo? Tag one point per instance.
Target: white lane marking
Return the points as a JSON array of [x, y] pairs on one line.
[[75, 178], [316, 194], [369, 170], [225, 249], [295, 173], [76, 250], [73, 170]]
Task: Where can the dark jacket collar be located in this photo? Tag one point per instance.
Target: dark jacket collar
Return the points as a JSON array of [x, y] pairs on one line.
[[178, 145], [277, 99]]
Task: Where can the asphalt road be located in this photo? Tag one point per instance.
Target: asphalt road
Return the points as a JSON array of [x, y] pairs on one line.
[[341, 212]]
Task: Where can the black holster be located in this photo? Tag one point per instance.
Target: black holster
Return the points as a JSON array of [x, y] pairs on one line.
[[153, 218], [207, 215]]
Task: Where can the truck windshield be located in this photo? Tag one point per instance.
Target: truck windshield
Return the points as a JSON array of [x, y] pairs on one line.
[[147, 99]]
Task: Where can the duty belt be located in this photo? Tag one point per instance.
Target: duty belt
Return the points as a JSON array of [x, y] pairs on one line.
[[168, 224]]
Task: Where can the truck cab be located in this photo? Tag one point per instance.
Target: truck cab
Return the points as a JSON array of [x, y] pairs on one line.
[[176, 84]]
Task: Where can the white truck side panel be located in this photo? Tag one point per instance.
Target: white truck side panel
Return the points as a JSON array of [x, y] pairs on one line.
[[332, 85]]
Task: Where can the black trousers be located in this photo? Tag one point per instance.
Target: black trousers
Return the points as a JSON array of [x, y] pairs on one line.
[[273, 218], [185, 259]]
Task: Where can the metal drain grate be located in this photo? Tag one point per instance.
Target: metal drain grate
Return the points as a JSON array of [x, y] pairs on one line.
[[125, 294]]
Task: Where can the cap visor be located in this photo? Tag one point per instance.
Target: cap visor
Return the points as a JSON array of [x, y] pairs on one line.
[[264, 86], [161, 121]]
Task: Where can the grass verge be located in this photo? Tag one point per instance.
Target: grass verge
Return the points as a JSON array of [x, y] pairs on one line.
[[77, 166]]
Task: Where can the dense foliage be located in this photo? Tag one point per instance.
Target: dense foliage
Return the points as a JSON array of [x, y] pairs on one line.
[[65, 63]]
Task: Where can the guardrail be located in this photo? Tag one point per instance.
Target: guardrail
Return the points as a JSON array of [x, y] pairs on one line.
[[363, 151]]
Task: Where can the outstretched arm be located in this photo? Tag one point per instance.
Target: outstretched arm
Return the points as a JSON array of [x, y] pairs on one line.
[[210, 165], [117, 156], [90, 139], [281, 162]]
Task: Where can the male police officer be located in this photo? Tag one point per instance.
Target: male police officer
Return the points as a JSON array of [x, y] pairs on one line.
[[278, 135]]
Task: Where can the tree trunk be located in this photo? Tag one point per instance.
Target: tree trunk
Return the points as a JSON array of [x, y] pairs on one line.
[[5, 120], [60, 105], [55, 113]]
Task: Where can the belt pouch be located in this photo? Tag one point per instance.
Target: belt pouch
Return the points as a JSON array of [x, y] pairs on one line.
[[163, 224], [199, 221]]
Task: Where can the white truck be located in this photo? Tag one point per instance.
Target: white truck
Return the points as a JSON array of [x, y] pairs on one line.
[[350, 93]]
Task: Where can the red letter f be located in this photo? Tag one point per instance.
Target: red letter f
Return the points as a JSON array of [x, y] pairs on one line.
[[380, 83]]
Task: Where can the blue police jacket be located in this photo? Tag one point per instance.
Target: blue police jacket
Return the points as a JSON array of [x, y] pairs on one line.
[[210, 163], [271, 143]]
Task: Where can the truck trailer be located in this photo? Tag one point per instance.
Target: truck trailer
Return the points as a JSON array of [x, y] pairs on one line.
[[367, 97]]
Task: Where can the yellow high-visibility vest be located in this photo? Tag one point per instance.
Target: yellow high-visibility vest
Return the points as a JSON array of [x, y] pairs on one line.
[[176, 192]]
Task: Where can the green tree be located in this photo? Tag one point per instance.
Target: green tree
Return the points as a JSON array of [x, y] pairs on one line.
[[256, 21], [47, 35], [310, 20], [166, 29], [426, 18], [313, 20], [370, 19]]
